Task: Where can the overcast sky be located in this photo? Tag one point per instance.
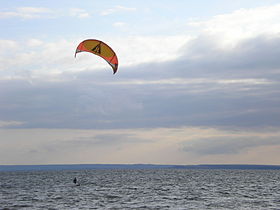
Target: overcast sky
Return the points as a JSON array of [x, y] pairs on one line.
[[198, 82]]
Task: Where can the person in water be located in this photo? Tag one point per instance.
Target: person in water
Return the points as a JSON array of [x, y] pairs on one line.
[[75, 180]]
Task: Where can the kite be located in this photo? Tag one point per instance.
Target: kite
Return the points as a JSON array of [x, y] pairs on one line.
[[101, 49]]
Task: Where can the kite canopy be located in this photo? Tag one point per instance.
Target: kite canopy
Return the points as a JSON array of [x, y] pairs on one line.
[[101, 49]]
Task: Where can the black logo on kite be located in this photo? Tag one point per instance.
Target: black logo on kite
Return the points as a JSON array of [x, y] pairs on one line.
[[97, 49]]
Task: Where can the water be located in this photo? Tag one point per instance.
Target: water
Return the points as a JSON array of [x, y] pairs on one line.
[[141, 189]]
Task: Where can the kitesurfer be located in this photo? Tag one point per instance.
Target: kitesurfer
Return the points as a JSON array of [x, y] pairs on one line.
[[75, 180]]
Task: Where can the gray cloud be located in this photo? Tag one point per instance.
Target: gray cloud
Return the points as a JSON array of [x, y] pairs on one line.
[[227, 145], [93, 141], [206, 86]]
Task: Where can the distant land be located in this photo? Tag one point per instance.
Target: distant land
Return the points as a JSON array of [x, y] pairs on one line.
[[133, 166]]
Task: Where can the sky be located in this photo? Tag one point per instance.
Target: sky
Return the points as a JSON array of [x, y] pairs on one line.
[[198, 82]]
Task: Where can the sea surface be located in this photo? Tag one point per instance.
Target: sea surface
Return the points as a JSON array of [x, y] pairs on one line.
[[140, 189]]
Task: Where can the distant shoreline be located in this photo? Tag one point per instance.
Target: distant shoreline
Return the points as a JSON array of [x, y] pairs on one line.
[[134, 166]]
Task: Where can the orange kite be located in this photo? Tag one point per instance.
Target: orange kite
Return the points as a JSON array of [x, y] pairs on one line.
[[101, 49]]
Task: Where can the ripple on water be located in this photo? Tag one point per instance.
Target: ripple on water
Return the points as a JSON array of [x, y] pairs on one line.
[[141, 189]]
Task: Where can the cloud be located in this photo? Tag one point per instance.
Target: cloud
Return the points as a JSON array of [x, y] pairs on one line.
[[225, 76], [34, 57], [198, 81], [42, 12], [62, 146], [229, 29], [79, 13], [119, 24], [45, 59], [236, 87], [116, 139], [163, 81], [93, 139], [22, 146], [26, 13], [228, 145], [101, 101], [10, 123], [34, 43], [117, 9]]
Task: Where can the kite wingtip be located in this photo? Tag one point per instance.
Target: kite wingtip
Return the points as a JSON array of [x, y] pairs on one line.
[[115, 69]]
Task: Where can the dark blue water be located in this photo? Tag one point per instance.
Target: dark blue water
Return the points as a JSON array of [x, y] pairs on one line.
[[141, 189]]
